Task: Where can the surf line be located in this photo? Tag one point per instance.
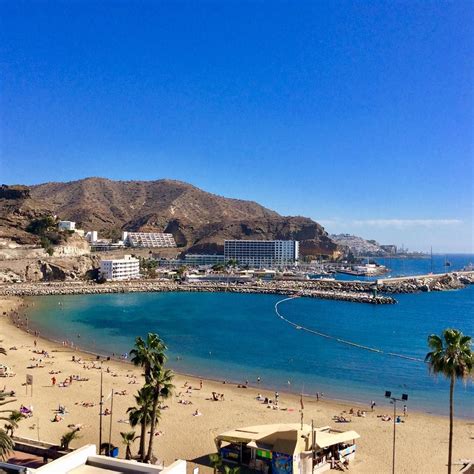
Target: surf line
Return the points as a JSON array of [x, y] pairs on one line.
[[337, 339]]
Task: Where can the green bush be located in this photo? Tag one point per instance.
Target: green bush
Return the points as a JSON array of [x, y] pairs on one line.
[[41, 226]]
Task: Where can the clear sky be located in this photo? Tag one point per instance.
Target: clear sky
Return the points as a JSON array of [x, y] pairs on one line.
[[357, 114]]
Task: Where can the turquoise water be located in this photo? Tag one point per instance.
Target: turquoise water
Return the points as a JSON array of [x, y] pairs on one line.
[[238, 337]]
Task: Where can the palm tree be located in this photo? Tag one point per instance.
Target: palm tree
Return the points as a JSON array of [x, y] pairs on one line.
[[4, 395], [127, 439], [13, 420], [6, 444], [2, 403], [150, 354], [162, 389], [141, 414], [451, 355], [68, 437]]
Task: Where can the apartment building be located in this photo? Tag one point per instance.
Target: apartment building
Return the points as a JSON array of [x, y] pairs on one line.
[[262, 253], [148, 239], [126, 268]]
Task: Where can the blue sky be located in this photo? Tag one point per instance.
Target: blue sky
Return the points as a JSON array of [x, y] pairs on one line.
[[357, 114]]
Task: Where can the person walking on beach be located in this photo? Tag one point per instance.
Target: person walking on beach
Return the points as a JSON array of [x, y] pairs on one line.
[[200, 384], [317, 396], [405, 410], [53, 381], [372, 405]]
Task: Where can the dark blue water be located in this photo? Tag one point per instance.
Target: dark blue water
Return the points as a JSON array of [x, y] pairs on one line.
[[238, 337]]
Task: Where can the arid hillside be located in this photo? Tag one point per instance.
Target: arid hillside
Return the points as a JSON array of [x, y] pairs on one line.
[[200, 221]]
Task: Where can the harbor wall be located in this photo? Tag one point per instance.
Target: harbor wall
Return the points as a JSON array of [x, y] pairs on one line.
[[355, 291]]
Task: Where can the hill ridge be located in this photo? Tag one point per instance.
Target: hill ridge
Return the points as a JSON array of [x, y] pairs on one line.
[[199, 220]]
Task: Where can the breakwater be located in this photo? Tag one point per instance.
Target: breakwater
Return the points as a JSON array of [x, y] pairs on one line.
[[353, 291], [137, 286]]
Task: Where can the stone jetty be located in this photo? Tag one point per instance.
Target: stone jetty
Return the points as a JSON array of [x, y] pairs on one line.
[[274, 288], [353, 291], [424, 283]]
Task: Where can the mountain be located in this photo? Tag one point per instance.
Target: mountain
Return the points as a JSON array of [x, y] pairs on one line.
[[200, 221]]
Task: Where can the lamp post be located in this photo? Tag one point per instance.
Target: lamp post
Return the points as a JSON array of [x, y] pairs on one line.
[[394, 401], [101, 402]]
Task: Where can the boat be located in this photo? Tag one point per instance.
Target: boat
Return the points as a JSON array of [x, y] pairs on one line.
[[369, 269], [468, 268], [292, 276]]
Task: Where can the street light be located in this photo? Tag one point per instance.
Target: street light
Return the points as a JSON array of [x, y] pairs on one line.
[[394, 401], [101, 403]]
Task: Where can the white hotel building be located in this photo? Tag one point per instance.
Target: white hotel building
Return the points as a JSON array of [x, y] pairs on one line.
[[126, 268], [262, 253], [149, 239]]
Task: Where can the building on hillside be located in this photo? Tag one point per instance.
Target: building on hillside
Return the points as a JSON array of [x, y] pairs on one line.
[[390, 249], [287, 448], [148, 239], [262, 253], [105, 245], [91, 236], [67, 225], [195, 260], [126, 268]]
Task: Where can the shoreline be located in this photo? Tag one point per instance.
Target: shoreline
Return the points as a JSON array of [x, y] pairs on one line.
[[183, 436], [227, 381]]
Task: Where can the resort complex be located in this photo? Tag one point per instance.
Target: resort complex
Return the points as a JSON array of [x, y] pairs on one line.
[[148, 239]]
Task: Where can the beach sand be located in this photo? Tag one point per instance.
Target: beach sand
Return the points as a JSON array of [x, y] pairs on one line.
[[422, 440]]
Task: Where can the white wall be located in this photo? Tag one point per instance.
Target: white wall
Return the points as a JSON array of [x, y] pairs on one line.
[[69, 461]]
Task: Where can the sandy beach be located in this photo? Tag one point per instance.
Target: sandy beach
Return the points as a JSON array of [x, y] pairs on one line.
[[422, 439]]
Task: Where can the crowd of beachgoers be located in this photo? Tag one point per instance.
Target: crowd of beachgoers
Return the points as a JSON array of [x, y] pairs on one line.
[[66, 385]]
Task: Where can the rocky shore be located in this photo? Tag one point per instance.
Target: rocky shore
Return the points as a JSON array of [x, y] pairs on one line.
[[281, 288], [444, 282], [353, 291]]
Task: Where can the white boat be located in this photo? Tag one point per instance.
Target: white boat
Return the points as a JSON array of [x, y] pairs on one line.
[[368, 269]]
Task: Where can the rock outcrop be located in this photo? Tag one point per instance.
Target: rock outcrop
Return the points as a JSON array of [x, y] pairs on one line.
[[49, 269]]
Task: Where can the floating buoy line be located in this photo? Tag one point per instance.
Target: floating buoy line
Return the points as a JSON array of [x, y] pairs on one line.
[[338, 339]]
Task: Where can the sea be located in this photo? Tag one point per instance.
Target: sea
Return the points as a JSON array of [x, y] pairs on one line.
[[239, 338]]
